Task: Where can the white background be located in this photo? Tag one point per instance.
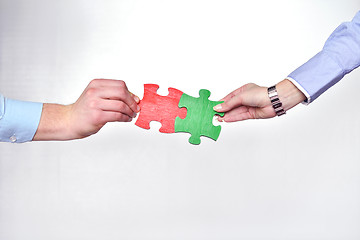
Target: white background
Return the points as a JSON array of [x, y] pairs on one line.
[[294, 177]]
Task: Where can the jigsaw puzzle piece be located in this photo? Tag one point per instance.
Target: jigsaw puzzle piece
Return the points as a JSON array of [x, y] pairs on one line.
[[163, 109], [200, 114]]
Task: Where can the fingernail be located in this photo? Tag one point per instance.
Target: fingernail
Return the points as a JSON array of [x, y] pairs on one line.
[[134, 115], [136, 98], [138, 108], [217, 107]]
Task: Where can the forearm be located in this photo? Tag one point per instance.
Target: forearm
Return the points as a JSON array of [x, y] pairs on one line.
[[289, 94], [54, 123], [340, 55]]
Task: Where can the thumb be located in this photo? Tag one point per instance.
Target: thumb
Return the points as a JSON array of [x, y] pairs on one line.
[[230, 104]]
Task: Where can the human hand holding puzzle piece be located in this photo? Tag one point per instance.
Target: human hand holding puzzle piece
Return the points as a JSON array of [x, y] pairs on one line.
[[179, 112]]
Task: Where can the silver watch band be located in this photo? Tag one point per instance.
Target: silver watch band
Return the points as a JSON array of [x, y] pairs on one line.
[[275, 101]]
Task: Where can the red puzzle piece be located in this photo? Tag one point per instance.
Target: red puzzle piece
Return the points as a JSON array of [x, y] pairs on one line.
[[163, 109]]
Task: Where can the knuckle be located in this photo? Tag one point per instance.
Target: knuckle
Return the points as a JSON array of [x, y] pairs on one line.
[[133, 105], [94, 82], [93, 104], [121, 106], [121, 83], [91, 92], [116, 116], [250, 85], [123, 91], [228, 105], [120, 117], [224, 106]]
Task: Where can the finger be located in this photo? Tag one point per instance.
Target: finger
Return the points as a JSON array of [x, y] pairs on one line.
[[231, 95], [122, 94], [108, 116], [116, 106], [232, 103], [241, 89], [251, 95], [237, 114], [100, 83], [239, 117], [229, 101], [136, 98]]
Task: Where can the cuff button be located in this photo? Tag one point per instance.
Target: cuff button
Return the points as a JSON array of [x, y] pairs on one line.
[[13, 139]]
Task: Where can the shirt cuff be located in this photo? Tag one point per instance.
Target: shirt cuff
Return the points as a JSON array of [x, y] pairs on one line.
[[20, 120], [316, 76]]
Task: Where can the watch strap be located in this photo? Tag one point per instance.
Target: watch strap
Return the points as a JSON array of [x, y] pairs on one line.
[[275, 101]]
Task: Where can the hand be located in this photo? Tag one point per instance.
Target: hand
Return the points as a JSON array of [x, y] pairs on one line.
[[252, 102], [102, 101]]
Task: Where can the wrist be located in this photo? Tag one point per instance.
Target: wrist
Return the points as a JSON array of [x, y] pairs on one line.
[[289, 94]]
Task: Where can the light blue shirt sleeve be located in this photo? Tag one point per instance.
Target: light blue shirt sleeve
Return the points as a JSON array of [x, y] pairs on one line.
[[340, 55], [19, 120]]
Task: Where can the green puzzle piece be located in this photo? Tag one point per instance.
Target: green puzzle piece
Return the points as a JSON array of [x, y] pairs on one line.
[[198, 121]]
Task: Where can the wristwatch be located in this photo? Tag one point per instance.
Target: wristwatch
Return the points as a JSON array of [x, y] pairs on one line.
[[275, 101]]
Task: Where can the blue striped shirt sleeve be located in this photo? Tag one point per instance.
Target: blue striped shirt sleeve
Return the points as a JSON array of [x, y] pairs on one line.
[[339, 56], [19, 120]]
